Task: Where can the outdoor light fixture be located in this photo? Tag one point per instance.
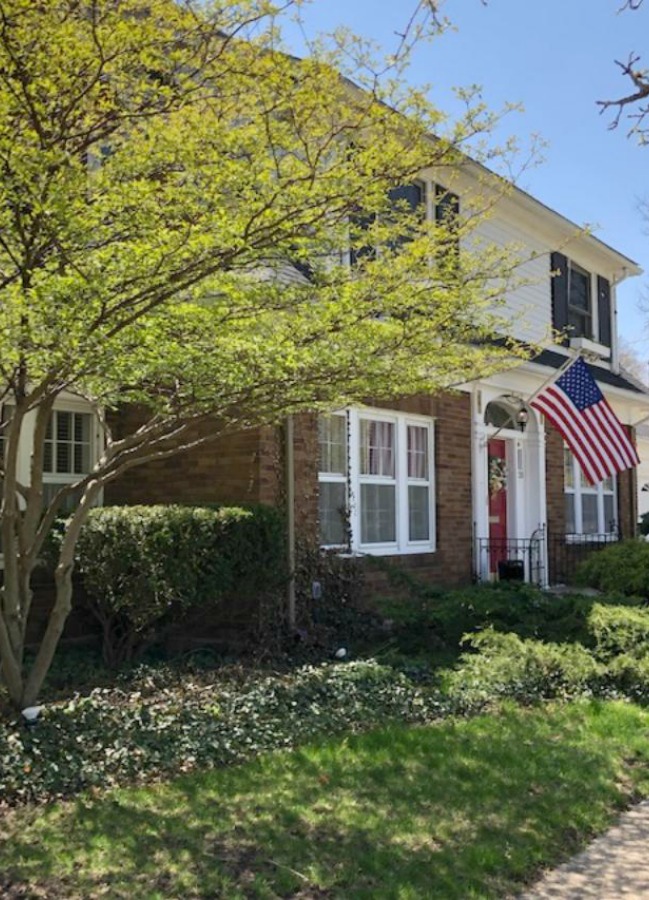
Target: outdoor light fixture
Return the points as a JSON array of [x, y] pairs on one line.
[[522, 417]]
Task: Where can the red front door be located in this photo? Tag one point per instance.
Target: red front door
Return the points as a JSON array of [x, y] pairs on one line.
[[497, 480]]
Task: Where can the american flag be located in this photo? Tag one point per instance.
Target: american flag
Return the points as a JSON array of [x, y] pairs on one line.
[[577, 408]]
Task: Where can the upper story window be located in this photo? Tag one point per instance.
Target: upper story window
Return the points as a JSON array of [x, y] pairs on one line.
[[376, 482], [581, 302], [430, 200]]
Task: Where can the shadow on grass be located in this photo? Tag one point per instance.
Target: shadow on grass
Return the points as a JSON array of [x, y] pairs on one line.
[[459, 810]]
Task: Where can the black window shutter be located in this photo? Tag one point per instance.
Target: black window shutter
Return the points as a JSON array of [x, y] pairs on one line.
[[604, 310], [559, 288]]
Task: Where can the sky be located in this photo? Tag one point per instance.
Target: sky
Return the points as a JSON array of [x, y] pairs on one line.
[[556, 58]]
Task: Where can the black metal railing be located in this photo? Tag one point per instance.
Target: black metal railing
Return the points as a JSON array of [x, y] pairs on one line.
[[567, 551], [511, 559]]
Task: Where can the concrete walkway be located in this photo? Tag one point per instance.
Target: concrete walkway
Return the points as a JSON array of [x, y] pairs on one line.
[[615, 865]]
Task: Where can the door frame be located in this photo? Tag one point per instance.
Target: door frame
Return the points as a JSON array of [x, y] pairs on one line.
[[526, 487]]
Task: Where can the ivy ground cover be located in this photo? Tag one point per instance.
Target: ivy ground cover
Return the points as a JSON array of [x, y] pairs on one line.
[[468, 808]]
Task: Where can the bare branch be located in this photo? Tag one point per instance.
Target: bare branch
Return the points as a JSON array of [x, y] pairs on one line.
[[640, 79]]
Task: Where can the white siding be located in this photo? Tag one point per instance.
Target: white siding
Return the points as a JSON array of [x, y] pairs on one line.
[[529, 304]]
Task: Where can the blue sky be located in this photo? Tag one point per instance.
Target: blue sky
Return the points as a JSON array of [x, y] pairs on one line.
[[556, 58]]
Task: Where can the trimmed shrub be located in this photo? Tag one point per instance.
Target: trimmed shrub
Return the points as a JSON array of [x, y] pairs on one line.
[[629, 676], [619, 630], [440, 620], [621, 568], [145, 567], [505, 666]]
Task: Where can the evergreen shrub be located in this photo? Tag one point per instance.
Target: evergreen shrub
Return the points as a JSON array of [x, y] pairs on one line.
[[622, 567], [145, 567]]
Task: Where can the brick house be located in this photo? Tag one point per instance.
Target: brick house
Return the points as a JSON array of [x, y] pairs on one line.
[[449, 485]]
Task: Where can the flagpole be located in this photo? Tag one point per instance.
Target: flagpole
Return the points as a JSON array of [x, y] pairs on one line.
[[556, 374]]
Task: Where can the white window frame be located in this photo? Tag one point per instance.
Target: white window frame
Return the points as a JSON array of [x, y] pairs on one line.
[[60, 479], [578, 490], [402, 545], [338, 477]]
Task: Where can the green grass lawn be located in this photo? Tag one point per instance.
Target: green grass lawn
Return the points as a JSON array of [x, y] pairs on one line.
[[463, 809]]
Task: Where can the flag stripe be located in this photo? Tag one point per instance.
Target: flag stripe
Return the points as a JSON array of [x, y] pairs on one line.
[[553, 408], [630, 451], [575, 405]]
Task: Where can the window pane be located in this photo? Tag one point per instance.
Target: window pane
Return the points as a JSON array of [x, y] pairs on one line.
[[568, 469], [417, 452], [418, 513], [333, 513], [81, 459], [332, 443], [63, 426], [378, 514], [49, 492], [377, 448], [579, 324], [571, 527], [63, 458], [579, 296], [82, 427], [589, 523], [609, 514], [47, 458]]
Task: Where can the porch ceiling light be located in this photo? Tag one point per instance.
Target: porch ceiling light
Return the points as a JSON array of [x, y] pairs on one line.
[[522, 417]]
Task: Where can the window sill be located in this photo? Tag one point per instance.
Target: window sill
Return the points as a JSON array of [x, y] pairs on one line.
[[587, 346], [606, 537], [394, 550]]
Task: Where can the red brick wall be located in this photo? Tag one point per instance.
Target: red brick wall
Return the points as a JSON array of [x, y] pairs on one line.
[[237, 468], [556, 509]]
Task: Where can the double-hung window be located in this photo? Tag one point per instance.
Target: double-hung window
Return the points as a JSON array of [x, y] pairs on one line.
[[376, 489], [69, 450], [581, 302], [590, 508]]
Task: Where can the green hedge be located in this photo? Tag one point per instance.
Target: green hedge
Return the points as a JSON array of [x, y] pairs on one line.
[[622, 568], [619, 630], [505, 666], [145, 567]]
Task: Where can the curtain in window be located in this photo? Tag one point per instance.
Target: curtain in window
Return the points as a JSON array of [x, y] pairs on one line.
[[377, 448]]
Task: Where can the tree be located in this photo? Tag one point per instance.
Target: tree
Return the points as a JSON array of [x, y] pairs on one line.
[[638, 100], [177, 202]]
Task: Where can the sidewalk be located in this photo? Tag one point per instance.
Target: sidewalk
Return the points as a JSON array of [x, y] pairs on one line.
[[615, 865]]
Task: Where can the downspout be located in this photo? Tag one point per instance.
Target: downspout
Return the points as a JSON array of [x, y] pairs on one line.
[[290, 520]]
